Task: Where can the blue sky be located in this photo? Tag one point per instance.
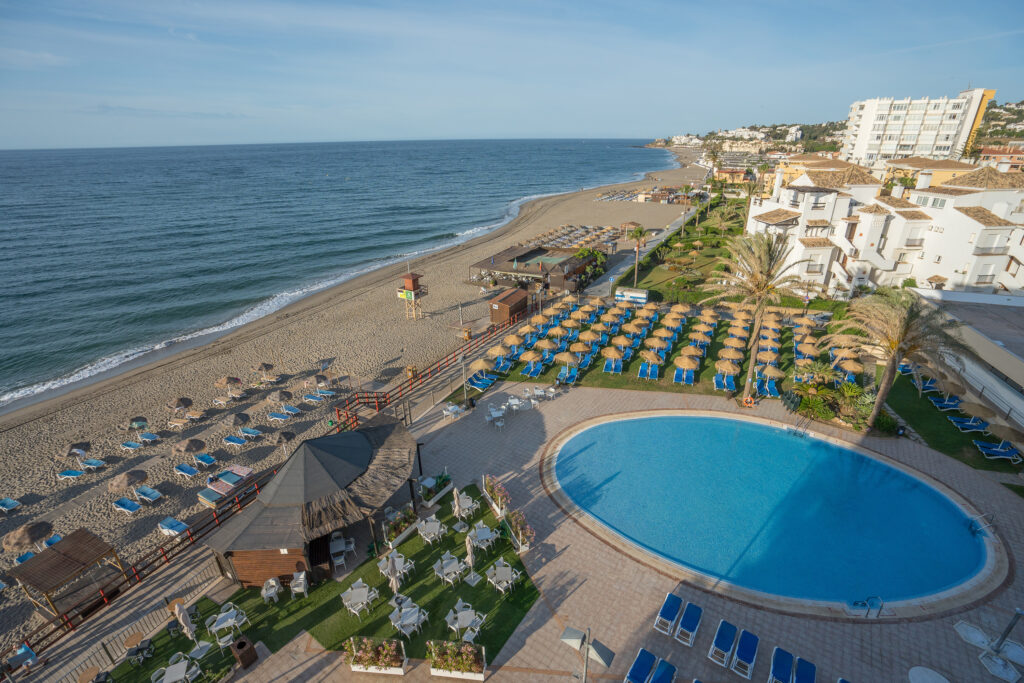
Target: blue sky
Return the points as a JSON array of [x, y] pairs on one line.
[[130, 72]]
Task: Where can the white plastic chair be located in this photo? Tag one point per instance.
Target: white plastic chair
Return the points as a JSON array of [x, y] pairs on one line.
[[157, 675]]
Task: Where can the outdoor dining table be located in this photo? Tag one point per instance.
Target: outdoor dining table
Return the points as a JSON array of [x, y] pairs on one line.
[[176, 672], [407, 614], [430, 527], [225, 620], [451, 566], [356, 595], [481, 535]]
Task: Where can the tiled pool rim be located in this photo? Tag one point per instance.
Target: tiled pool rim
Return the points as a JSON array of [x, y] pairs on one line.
[[990, 578]]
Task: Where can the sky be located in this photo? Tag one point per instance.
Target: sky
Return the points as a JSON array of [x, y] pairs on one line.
[[115, 73]]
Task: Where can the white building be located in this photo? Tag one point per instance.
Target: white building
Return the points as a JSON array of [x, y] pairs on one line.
[[963, 235], [794, 134], [685, 140], [885, 128], [742, 134]]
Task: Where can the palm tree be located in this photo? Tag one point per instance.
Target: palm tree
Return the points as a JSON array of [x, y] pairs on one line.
[[638, 235], [757, 274], [719, 221], [903, 327]]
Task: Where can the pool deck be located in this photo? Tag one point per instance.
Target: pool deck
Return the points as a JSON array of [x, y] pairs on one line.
[[586, 579]]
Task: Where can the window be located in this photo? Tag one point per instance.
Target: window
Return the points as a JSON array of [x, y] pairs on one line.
[[942, 148], [956, 105], [880, 117], [921, 200], [930, 126], [902, 258], [938, 203], [899, 107], [1013, 267], [938, 259], [897, 117], [890, 137]]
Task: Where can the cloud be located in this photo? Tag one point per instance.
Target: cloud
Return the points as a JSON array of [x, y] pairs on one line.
[[144, 112], [187, 35], [13, 58]]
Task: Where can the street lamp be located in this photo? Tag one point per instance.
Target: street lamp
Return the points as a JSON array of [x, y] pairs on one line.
[[589, 648], [465, 391]]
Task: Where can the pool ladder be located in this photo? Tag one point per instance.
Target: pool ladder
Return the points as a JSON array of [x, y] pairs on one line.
[[866, 604], [982, 522], [801, 426]]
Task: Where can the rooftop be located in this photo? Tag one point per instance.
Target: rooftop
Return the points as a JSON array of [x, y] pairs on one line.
[[949, 191], [926, 164], [873, 208], [982, 215], [914, 215], [1002, 324], [777, 216], [988, 178], [896, 202], [816, 242], [854, 175]]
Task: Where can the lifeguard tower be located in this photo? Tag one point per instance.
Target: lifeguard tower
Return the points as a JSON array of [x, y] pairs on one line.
[[411, 292]]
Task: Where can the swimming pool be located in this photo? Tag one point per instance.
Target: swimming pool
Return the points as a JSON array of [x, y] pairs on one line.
[[767, 510]]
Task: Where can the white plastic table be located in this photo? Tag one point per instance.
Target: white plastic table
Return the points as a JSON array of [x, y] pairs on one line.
[[226, 620], [176, 672], [922, 674]]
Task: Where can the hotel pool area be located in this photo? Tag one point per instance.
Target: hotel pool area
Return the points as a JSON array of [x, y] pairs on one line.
[[766, 510]]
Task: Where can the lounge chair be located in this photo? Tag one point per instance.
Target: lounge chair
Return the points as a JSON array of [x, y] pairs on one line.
[[773, 390], [147, 494], [946, 406], [204, 460], [8, 505], [127, 506], [641, 669], [169, 526], [609, 366], [250, 432], [586, 361], [730, 383], [721, 648], [573, 375], [689, 624], [538, 368], [177, 423], [313, 398], [1011, 454], [562, 374], [131, 445], [642, 372], [290, 409], [746, 654], [969, 427], [233, 440], [324, 392], [927, 386], [805, 671], [22, 559], [278, 417], [762, 389], [782, 667], [652, 371], [665, 672], [186, 471], [905, 368], [959, 419], [221, 400], [1001, 447], [677, 376], [90, 464], [617, 366], [53, 540], [70, 474], [148, 437], [667, 615], [719, 382]]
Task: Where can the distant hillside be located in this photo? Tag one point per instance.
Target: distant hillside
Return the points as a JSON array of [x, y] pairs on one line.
[[1002, 122]]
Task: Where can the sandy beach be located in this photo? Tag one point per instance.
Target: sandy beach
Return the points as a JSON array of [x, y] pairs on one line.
[[359, 326]]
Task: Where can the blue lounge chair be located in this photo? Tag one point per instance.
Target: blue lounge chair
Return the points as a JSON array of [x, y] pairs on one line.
[[905, 368], [525, 372], [762, 390], [688, 378], [719, 382], [1001, 449], [148, 437], [235, 440], [185, 470], [945, 406], [721, 648], [677, 376], [22, 559], [773, 391], [313, 398], [667, 615], [573, 375], [1011, 454], [746, 654], [127, 506], [617, 366], [730, 383], [324, 392], [587, 360], [689, 624], [53, 540], [70, 474], [627, 354], [131, 445], [805, 671], [277, 417], [90, 464], [642, 372], [204, 460], [969, 427], [169, 526], [641, 669], [9, 505], [959, 419], [782, 667], [926, 386], [290, 409], [503, 365], [663, 673], [249, 432], [562, 374], [652, 371], [147, 494]]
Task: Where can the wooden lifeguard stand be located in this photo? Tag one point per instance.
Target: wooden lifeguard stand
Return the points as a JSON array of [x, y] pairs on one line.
[[411, 292]]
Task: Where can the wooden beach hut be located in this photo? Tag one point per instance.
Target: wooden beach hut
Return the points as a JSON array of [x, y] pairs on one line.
[[508, 304], [327, 484]]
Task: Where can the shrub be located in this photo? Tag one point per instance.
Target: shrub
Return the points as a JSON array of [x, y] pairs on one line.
[[886, 424], [909, 282], [370, 653], [400, 523], [517, 523], [466, 657], [497, 492]]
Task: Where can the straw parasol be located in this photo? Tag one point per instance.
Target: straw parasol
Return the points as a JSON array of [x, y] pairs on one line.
[[691, 351], [727, 367], [551, 310], [513, 340], [567, 358], [702, 327], [571, 324], [27, 536], [729, 353], [530, 357], [708, 319], [599, 327], [845, 352], [182, 403], [977, 409], [645, 313], [808, 349], [693, 254], [708, 310], [738, 332], [632, 328], [686, 363], [578, 315], [225, 382], [611, 352], [1007, 433], [595, 301], [609, 318], [587, 308], [236, 420], [804, 320], [189, 446], [284, 438], [579, 347], [557, 331], [771, 372], [527, 329], [802, 330], [846, 340], [545, 345], [481, 364], [663, 333], [539, 319], [734, 342], [126, 480], [948, 386], [624, 305], [620, 340], [742, 315], [496, 351], [851, 366], [651, 306], [700, 337], [682, 309], [803, 362], [767, 356], [589, 336], [279, 395], [651, 357], [616, 310], [655, 343]]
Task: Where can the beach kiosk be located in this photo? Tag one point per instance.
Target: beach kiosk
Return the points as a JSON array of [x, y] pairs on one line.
[[633, 296], [508, 304], [411, 292]]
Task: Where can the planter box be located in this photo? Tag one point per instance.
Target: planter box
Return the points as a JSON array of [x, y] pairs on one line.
[[464, 675], [440, 494], [408, 531], [520, 547], [387, 671], [498, 512]]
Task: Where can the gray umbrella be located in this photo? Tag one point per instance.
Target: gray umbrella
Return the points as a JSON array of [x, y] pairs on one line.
[[469, 552], [137, 422], [126, 480], [263, 369], [27, 536], [280, 395], [182, 403], [189, 446], [284, 438], [236, 419]]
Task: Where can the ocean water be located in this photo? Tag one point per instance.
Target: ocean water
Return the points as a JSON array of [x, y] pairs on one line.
[[106, 255], [768, 510]]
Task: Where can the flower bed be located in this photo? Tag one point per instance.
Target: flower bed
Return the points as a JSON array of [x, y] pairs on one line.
[[376, 656], [406, 518], [456, 660], [522, 533], [497, 495], [441, 482]]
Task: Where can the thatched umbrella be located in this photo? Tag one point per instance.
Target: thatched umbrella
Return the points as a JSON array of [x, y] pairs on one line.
[[496, 351], [182, 403], [709, 311], [620, 340], [771, 372], [655, 343], [977, 410], [587, 308], [804, 320], [545, 345], [567, 358], [681, 309], [527, 329], [700, 337], [1007, 433], [686, 363], [263, 369], [738, 332], [571, 324], [729, 353], [948, 386], [651, 306], [663, 333], [578, 315], [610, 318], [672, 319], [225, 382], [691, 351], [189, 446], [127, 480], [767, 356], [530, 357], [482, 365], [851, 366], [551, 310], [702, 327], [236, 420], [632, 328], [280, 395], [808, 349], [727, 367], [513, 340], [805, 339], [595, 301], [846, 340], [708, 319], [27, 536], [589, 336], [734, 342], [845, 352], [615, 310], [645, 313], [742, 315], [283, 438], [599, 327], [803, 362], [579, 347], [557, 331], [611, 352], [802, 330], [539, 319], [624, 305], [651, 357]]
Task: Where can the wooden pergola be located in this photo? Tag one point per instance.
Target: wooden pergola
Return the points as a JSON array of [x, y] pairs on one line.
[[45, 574]]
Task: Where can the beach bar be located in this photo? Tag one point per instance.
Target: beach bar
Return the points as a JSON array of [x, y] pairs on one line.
[[558, 269], [508, 304], [327, 484]]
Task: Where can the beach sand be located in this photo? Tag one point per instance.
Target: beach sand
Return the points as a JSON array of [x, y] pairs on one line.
[[359, 325]]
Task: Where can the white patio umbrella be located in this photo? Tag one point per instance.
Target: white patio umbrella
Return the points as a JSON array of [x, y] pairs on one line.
[[469, 552], [187, 627], [457, 505], [392, 571]]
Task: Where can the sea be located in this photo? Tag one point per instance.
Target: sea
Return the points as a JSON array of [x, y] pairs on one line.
[[108, 256]]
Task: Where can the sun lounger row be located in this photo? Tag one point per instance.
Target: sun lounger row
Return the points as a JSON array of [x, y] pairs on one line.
[[647, 668], [725, 382], [1003, 450], [968, 424], [683, 377]]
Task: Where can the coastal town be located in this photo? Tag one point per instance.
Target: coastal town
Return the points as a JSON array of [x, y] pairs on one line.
[[517, 458]]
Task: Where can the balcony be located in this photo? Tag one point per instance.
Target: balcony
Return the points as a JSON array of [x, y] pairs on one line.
[[991, 251], [914, 243], [985, 279], [815, 269]]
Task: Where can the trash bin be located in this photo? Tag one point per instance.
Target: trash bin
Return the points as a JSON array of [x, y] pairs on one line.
[[244, 652], [410, 371], [467, 333]]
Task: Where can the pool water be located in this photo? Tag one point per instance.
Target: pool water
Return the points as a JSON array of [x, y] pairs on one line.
[[769, 510]]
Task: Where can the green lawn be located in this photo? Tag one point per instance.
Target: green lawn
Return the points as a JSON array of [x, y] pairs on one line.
[[938, 432], [1016, 488]]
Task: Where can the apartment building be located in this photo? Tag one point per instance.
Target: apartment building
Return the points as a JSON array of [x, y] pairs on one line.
[[967, 234], [885, 128]]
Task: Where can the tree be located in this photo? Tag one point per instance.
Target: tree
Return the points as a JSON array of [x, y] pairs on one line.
[[638, 236], [904, 327], [757, 274]]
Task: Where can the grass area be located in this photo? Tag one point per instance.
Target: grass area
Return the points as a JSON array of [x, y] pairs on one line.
[[1016, 488], [938, 432], [216, 664]]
